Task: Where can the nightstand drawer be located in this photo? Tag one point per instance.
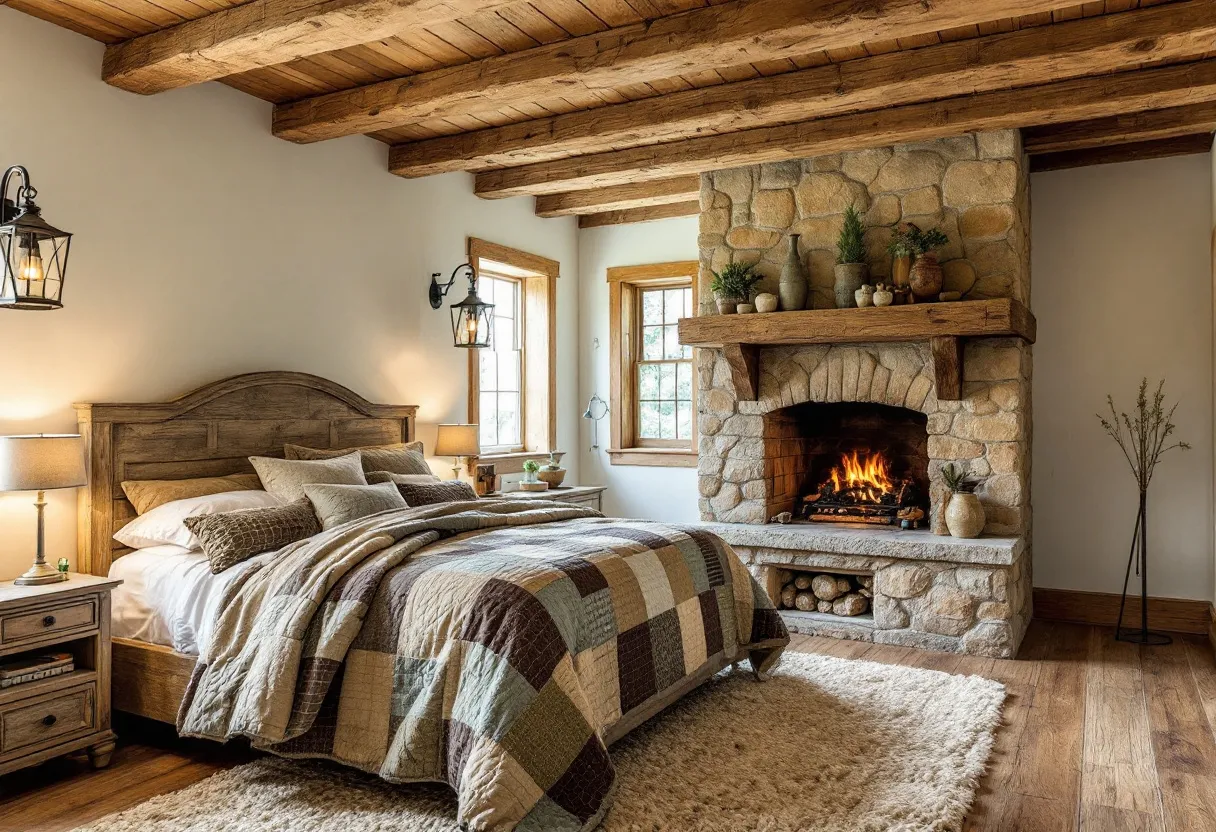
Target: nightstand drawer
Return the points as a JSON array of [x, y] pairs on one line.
[[49, 620], [51, 716]]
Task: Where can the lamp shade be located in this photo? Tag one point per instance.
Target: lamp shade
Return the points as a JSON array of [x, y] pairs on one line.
[[41, 462], [458, 440]]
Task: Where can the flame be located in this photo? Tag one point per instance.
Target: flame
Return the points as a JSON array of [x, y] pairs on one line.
[[867, 477]]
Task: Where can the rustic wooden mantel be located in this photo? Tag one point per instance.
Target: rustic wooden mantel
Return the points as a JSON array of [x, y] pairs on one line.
[[942, 325]]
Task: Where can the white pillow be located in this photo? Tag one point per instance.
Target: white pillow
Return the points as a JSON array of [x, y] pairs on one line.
[[164, 524]]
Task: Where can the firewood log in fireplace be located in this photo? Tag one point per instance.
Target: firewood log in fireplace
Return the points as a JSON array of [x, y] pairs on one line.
[[844, 595]]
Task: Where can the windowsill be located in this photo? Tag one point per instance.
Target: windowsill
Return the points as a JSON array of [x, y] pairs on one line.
[[507, 463], [654, 457]]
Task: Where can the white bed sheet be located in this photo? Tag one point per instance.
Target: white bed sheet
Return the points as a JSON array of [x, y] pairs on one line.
[[168, 596]]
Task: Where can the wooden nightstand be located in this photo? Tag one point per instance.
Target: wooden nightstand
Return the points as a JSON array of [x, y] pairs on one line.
[[583, 495], [61, 714]]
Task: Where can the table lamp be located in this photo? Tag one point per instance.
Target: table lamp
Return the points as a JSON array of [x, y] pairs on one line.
[[39, 463], [458, 442]]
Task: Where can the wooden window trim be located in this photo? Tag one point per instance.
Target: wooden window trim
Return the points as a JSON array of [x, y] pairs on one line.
[[624, 286], [538, 400]]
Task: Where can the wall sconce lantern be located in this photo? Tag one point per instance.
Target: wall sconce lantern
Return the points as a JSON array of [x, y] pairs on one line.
[[471, 317], [33, 253]]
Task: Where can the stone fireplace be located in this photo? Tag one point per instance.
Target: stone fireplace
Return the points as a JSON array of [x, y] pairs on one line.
[[787, 399]]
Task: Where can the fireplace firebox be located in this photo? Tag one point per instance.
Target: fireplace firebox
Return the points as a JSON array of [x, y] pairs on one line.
[[848, 462]]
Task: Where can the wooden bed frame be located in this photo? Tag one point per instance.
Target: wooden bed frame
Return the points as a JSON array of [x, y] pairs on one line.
[[210, 432]]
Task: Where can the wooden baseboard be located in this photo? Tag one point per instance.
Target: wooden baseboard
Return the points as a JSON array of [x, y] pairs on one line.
[[1212, 629], [1177, 615]]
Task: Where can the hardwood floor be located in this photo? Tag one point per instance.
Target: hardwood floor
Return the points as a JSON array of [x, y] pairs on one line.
[[1098, 736]]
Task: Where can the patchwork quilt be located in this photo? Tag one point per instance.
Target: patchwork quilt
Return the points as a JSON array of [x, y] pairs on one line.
[[495, 646]]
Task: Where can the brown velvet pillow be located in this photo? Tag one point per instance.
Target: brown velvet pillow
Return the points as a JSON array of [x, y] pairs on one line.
[[402, 458], [426, 494], [146, 495], [234, 536]]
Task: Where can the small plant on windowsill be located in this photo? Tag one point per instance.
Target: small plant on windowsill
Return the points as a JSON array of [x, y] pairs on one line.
[[733, 286], [963, 512]]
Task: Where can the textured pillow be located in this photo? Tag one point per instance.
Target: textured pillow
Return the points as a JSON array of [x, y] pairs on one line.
[[285, 478], [146, 495], [403, 458], [377, 477], [338, 504], [446, 491], [165, 524], [234, 536]]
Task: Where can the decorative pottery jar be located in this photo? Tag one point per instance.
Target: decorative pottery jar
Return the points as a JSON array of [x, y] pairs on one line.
[[925, 279], [793, 287], [965, 515], [883, 296], [766, 302], [727, 306], [849, 278], [745, 308], [553, 473], [864, 296]]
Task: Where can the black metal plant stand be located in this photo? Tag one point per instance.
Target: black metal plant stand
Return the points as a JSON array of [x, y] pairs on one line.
[[1139, 556]]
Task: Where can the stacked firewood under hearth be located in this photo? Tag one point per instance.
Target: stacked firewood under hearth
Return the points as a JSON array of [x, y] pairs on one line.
[[847, 595]]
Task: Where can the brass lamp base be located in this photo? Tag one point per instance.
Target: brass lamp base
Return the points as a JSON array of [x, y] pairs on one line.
[[41, 573]]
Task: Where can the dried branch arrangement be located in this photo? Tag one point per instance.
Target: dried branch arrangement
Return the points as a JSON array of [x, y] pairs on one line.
[[1144, 436]]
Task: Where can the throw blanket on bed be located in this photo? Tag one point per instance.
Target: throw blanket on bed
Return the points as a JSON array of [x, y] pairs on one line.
[[497, 660]]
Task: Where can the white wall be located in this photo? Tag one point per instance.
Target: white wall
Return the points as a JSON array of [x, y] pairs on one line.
[[633, 491], [1122, 289], [206, 247]]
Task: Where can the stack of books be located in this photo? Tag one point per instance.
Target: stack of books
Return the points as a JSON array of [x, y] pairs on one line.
[[27, 668]]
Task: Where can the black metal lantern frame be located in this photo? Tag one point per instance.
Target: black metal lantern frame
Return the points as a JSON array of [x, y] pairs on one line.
[[472, 317], [33, 253]]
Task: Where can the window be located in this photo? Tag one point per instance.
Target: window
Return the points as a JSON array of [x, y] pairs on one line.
[[653, 384], [512, 385]]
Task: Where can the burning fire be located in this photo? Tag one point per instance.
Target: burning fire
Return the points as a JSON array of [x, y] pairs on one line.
[[865, 477]]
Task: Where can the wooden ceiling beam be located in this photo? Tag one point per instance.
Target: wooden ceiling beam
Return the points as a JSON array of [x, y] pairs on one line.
[[1073, 100], [1122, 129], [620, 197], [729, 34], [1089, 46], [632, 215], [1124, 152], [263, 33]]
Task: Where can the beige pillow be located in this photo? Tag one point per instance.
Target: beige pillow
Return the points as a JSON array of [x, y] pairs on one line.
[[402, 458], [234, 536], [285, 478], [338, 504], [146, 495], [377, 477]]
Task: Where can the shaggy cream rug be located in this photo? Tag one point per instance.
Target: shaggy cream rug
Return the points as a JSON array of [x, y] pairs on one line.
[[827, 744]]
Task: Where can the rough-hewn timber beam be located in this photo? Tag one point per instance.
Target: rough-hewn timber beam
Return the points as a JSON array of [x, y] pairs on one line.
[[1127, 152], [1090, 46], [1073, 100], [1122, 129], [620, 197], [630, 215], [264, 33], [730, 34]]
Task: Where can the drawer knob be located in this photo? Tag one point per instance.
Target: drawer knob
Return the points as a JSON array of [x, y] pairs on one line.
[[49, 720], [48, 621]]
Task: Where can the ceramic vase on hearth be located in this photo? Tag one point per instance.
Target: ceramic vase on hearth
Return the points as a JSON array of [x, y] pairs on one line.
[[849, 278], [793, 287], [925, 279], [965, 516]]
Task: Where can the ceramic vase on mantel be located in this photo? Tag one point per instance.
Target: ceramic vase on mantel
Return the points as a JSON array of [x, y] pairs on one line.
[[900, 268], [925, 279], [964, 515], [849, 278], [793, 287]]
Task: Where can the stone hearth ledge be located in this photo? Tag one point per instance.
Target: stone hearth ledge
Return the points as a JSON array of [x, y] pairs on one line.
[[868, 541]]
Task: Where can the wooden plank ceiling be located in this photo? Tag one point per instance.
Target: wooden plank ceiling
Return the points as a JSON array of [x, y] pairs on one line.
[[608, 109]]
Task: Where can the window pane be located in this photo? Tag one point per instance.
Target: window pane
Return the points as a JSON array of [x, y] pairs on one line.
[[684, 420], [508, 419], [488, 363], [489, 419], [667, 420], [508, 371], [671, 336], [667, 381], [688, 303], [652, 343], [648, 421], [684, 382], [673, 305], [648, 381], [652, 308]]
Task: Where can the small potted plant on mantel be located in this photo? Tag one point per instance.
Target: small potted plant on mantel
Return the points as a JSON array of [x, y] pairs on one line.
[[733, 286], [964, 513], [852, 271], [902, 249]]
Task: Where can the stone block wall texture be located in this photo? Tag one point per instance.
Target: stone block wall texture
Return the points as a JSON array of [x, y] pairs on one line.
[[973, 187]]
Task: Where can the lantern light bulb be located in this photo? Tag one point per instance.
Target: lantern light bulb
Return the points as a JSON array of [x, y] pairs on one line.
[[31, 269]]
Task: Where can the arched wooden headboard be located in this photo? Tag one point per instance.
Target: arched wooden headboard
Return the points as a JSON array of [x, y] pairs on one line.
[[212, 432]]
